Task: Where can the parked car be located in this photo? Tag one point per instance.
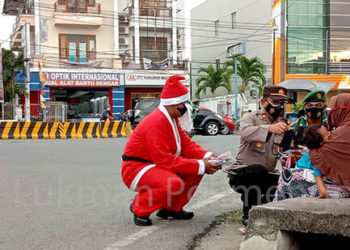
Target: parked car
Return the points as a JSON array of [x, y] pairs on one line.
[[229, 125], [142, 108], [208, 122]]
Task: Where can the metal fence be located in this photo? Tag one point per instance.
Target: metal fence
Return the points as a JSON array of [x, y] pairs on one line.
[[54, 112]]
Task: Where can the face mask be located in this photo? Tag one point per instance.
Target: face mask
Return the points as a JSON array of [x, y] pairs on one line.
[[182, 110], [314, 113], [274, 111]]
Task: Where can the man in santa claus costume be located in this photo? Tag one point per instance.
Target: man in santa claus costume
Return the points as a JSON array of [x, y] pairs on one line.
[[160, 161]]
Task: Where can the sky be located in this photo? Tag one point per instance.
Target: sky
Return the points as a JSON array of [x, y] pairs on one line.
[[6, 23]]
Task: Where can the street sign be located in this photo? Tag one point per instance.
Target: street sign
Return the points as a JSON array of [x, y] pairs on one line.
[[236, 50], [256, 85]]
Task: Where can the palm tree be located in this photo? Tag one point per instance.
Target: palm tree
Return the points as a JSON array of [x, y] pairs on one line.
[[214, 79], [250, 71]]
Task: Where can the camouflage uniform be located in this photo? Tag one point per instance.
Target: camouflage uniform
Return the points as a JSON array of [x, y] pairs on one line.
[[299, 127], [300, 124]]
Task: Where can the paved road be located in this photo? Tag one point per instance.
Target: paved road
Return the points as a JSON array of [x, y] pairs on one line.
[[68, 194]]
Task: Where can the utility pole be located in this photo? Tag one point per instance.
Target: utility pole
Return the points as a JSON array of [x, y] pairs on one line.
[[27, 57], [273, 56], [190, 63], [236, 90]]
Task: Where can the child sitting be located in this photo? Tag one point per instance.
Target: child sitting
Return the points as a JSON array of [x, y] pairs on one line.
[[314, 136]]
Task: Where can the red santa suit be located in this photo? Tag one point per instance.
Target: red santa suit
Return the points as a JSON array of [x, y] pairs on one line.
[[161, 162]]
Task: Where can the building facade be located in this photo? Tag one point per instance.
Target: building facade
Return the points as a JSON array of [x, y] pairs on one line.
[[314, 36], [100, 53], [218, 24]]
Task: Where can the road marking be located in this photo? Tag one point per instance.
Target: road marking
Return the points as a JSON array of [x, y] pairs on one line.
[[212, 199], [149, 230], [133, 237]]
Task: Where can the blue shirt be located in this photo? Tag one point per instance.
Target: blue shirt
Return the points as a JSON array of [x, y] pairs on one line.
[[305, 162]]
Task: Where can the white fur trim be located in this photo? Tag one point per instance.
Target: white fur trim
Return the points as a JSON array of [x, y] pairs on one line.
[[174, 127], [175, 100], [207, 154], [137, 178], [201, 168]]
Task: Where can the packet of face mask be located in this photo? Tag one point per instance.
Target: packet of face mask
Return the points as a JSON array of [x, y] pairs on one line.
[[223, 159]]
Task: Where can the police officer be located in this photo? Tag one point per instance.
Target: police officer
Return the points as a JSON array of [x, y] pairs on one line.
[[253, 173], [315, 112]]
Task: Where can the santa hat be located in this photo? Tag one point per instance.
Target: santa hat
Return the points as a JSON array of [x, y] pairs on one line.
[[174, 92]]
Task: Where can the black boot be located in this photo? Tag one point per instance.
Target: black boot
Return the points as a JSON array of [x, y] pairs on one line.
[[181, 215], [141, 221]]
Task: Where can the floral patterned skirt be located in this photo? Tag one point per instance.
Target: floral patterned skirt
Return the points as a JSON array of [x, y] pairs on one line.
[[298, 182]]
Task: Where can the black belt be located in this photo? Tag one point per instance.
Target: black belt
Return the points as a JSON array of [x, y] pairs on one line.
[[131, 158]]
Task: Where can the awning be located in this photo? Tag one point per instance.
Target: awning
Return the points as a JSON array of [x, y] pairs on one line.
[[306, 85]]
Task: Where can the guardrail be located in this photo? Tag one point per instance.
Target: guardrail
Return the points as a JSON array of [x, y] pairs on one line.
[[63, 130]]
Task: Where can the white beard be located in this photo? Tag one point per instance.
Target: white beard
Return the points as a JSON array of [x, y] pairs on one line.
[[186, 121]]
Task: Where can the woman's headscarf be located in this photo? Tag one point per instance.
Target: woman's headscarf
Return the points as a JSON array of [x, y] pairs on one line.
[[333, 157]]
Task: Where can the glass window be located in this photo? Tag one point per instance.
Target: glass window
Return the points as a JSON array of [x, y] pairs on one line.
[[63, 46], [153, 3], [339, 37], [152, 48], [92, 53], [306, 36], [77, 48], [82, 52], [82, 6], [79, 6], [72, 52]]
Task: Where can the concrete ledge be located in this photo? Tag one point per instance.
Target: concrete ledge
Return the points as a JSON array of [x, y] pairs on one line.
[[272, 225], [304, 214]]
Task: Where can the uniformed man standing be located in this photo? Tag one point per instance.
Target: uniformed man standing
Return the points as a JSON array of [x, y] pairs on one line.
[[315, 112], [253, 173]]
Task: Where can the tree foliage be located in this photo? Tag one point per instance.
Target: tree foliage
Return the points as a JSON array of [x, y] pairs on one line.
[[11, 64], [297, 106], [250, 70], [213, 79]]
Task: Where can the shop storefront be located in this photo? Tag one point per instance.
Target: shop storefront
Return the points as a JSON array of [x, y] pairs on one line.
[[145, 85], [84, 93]]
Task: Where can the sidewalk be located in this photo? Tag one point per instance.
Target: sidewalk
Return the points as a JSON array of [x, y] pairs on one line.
[[223, 234]]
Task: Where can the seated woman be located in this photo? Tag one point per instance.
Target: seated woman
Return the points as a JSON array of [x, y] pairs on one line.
[[330, 158]]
